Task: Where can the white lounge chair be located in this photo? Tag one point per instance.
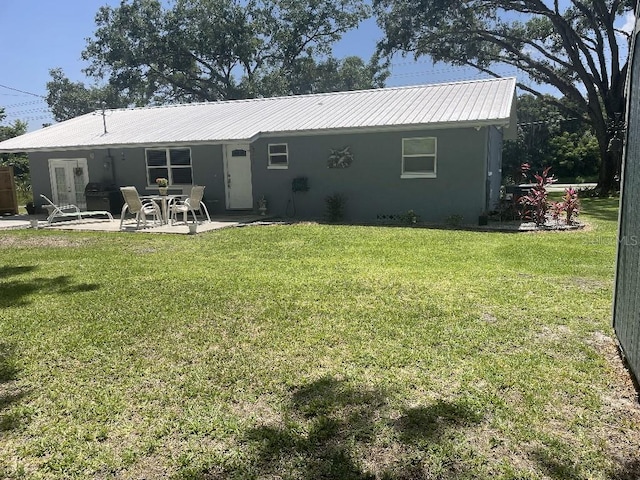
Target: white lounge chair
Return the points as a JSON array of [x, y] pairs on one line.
[[140, 208], [68, 211], [191, 204]]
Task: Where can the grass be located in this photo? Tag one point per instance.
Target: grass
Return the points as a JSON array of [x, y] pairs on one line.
[[314, 351]]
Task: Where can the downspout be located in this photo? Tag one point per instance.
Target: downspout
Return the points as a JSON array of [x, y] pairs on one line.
[[487, 165]]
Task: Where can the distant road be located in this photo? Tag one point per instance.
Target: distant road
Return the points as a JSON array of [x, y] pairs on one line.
[[561, 187]]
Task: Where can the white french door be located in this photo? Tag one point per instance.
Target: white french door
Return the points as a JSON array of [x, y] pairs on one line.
[[237, 171], [69, 177]]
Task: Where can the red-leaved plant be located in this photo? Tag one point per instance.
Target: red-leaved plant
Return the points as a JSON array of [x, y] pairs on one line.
[[570, 206], [556, 209], [535, 202]]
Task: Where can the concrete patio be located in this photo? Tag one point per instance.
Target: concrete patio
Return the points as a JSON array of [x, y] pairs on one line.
[[104, 225]]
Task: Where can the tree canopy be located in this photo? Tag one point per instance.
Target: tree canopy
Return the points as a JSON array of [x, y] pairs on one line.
[[9, 131], [574, 45], [69, 99], [19, 162], [224, 49], [548, 137], [206, 50]]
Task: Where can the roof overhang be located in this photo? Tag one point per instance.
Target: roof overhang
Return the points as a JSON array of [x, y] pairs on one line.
[[507, 124]]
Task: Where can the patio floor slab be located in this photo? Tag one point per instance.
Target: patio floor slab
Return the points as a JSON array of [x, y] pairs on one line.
[[104, 225]]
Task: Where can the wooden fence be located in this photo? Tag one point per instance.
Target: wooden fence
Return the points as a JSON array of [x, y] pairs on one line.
[[8, 198]]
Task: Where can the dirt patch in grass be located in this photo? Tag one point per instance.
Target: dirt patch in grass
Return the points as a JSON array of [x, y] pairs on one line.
[[11, 241], [151, 467], [258, 411], [556, 333], [621, 403], [588, 284]]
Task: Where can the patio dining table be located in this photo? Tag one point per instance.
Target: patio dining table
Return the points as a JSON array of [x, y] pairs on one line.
[[163, 201]]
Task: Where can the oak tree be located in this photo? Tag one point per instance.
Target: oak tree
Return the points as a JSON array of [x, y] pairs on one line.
[[575, 46], [207, 50]]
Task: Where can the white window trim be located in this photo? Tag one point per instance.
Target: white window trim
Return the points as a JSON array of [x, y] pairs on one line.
[[151, 182], [278, 166], [433, 174]]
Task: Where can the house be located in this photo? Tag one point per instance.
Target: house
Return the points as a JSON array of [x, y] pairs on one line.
[[434, 149]]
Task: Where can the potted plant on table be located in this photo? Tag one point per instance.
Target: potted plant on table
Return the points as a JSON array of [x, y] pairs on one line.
[[162, 183]]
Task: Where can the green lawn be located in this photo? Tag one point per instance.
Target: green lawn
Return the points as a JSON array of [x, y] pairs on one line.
[[314, 351]]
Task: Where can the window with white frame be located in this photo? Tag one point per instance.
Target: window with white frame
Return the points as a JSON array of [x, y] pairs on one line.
[[278, 155], [419, 157], [174, 164]]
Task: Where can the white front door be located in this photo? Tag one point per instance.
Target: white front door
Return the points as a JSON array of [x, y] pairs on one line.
[[69, 177], [237, 171]]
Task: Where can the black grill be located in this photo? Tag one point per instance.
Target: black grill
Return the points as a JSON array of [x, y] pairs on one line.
[[103, 196]]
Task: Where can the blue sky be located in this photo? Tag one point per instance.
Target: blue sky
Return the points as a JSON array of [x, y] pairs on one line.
[[38, 35]]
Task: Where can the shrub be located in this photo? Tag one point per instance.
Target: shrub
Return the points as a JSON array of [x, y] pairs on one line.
[[535, 202], [570, 206], [409, 218], [556, 210], [335, 207]]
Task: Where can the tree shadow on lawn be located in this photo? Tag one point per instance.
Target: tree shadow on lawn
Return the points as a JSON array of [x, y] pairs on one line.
[[6, 271], [429, 424], [629, 471], [559, 464], [9, 393], [329, 425], [16, 292], [601, 208]]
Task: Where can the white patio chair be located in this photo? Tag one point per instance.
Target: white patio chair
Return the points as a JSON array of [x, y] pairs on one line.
[[69, 211], [192, 204], [140, 208]]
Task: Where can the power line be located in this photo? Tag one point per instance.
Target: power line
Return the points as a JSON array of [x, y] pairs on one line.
[[21, 91], [24, 104], [39, 117]]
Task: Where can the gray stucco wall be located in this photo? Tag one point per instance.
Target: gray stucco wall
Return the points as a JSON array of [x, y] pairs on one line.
[[206, 164], [372, 185], [126, 166], [39, 167]]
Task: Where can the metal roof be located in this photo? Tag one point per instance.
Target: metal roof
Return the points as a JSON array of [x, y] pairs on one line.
[[470, 103]]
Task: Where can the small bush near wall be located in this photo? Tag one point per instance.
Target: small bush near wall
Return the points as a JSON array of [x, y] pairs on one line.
[[335, 207], [409, 218]]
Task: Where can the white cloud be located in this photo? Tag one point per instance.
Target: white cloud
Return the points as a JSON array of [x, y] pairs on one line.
[[629, 23]]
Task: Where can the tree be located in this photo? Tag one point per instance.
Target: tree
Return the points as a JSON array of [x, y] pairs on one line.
[[19, 162], [9, 131], [330, 75], [69, 99], [574, 46], [547, 136], [225, 49]]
